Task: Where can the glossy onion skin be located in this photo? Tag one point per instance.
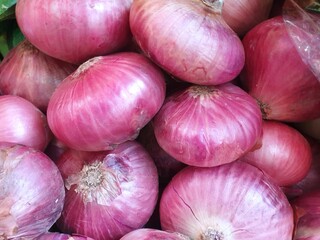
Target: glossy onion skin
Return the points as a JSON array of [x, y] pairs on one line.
[[122, 201], [243, 15], [285, 154], [61, 236], [106, 101], [153, 234], [233, 201], [75, 32], [201, 125], [187, 39], [31, 192], [31, 74], [307, 213], [23, 123], [276, 76]]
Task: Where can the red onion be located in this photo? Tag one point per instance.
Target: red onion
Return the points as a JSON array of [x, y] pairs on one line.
[[243, 15], [232, 201], [189, 39], [75, 32], [276, 76], [23, 123], [308, 216], [208, 125], [153, 234], [61, 236], [29, 73], [285, 154], [108, 193], [31, 192], [311, 181], [106, 101]]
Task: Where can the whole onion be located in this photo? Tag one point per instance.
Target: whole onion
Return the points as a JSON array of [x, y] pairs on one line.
[[153, 234], [208, 125], [307, 212], [232, 201], [106, 101], [23, 123], [243, 15], [31, 192], [276, 76], [61, 236], [108, 194], [188, 39], [31, 74], [285, 154], [75, 32]]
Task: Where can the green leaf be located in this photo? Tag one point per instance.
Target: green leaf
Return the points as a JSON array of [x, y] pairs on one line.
[[9, 14], [5, 5]]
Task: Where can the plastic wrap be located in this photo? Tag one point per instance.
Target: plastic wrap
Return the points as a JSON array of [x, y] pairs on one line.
[[302, 18]]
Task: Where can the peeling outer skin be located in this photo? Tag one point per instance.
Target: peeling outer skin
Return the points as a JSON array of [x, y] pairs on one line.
[[304, 29]]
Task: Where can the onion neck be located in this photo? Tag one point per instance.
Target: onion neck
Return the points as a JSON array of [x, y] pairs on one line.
[[202, 91], [265, 109]]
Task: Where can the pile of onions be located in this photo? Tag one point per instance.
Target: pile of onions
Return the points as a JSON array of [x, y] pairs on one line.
[[276, 76], [284, 154], [106, 101], [243, 15], [31, 74], [201, 125], [23, 123], [188, 39], [31, 192], [75, 32], [153, 234], [232, 201], [109, 193], [307, 211]]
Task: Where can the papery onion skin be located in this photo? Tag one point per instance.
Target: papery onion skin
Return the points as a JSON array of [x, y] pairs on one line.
[[23, 123], [27, 72], [61, 236], [243, 15], [108, 193], [75, 32], [232, 201], [187, 39], [285, 154], [31, 192], [276, 76], [106, 101], [208, 125], [153, 234], [307, 212]]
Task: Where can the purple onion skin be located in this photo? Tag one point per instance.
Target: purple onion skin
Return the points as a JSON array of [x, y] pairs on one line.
[[307, 212], [201, 125], [31, 192], [153, 234], [106, 101], [31, 74], [187, 39], [61, 236], [23, 123], [233, 201], [276, 76], [75, 32], [108, 193]]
